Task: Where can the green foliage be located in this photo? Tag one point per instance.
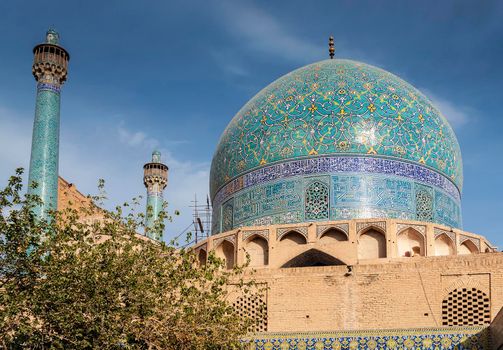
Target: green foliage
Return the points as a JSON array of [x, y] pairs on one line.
[[68, 283]]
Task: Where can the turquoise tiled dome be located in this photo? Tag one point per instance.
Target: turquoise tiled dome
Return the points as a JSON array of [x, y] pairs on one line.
[[335, 110]]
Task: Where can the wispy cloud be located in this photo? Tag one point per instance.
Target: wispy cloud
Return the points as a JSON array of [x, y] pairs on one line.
[[260, 33], [116, 154], [457, 114], [259, 30]]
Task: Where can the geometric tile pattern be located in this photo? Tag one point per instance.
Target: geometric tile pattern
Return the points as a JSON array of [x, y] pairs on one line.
[[332, 164], [44, 161], [280, 232], [473, 338], [360, 226], [466, 307], [262, 233], [320, 229], [419, 228], [476, 241], [340, 196], [449, 234]]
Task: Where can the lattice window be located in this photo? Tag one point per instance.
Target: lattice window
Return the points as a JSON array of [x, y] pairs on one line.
[[227, 221], [317, 201], [466, 307], [424, 205], [253, 307]]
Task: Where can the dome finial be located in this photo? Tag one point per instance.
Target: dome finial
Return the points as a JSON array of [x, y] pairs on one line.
[[331, 46]]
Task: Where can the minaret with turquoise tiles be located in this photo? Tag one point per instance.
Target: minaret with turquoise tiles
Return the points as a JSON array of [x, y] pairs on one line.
[[50, 64], [155, 179]]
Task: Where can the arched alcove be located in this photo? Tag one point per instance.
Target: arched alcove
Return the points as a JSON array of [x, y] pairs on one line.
[[201, 257], [313, 257], [292, 238], [225, 251], [333, 235], [467, 247], [371, 244], [258, 251], [410, 243], [444, 245]]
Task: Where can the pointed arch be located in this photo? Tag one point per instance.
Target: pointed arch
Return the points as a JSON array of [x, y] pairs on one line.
[[226, 251], [371, 244], [467, 247], [410, 242], [257, 248], [444, 245], [333, 235], [292, 238], [313, 257]]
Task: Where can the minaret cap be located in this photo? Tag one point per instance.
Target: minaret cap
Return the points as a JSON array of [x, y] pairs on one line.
[[156, 156], [331, 46], [52, 37]]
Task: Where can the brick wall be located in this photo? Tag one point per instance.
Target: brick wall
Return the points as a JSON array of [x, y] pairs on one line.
[[401, 293]]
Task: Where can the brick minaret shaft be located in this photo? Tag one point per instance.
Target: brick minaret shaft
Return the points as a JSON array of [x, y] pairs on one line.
[[155, 179], [50, 65]]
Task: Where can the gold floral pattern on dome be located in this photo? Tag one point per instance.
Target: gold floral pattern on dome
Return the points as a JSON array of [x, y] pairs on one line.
[[336, 107]]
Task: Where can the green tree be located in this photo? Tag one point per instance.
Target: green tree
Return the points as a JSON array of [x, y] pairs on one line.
[[69, 284]]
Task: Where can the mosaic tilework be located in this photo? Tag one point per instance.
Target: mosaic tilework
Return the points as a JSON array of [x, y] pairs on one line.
[[472, 338], [336, 107], [154, 207], [269, 199], [321, 229], [349, 196], [44, 159], [337, 164], [447, 211]]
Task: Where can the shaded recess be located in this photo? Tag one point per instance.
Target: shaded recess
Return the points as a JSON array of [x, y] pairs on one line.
[[313, 257]]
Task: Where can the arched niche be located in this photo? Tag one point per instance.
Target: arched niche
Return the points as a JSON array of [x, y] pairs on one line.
[[371, 244], [313, 257], [333, 235], [467, 248], [444, 245], [410, 243], [257, 249], [225, 251], [292, 238], [202, 256]]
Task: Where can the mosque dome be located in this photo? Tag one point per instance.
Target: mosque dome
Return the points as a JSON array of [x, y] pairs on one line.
[[336, 139]]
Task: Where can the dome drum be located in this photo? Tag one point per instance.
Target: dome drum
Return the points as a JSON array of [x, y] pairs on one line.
[[336, 188]]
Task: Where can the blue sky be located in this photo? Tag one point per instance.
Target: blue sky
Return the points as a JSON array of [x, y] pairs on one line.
[[171, 75]]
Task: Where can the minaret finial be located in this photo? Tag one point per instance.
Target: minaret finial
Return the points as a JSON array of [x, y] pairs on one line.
[[331, 47]]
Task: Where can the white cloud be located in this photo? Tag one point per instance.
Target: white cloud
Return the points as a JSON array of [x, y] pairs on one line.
[[457, 114], [260, 31]]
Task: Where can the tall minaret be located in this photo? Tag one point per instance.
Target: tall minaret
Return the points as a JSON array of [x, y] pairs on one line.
[[50, 65], [155, 179]]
